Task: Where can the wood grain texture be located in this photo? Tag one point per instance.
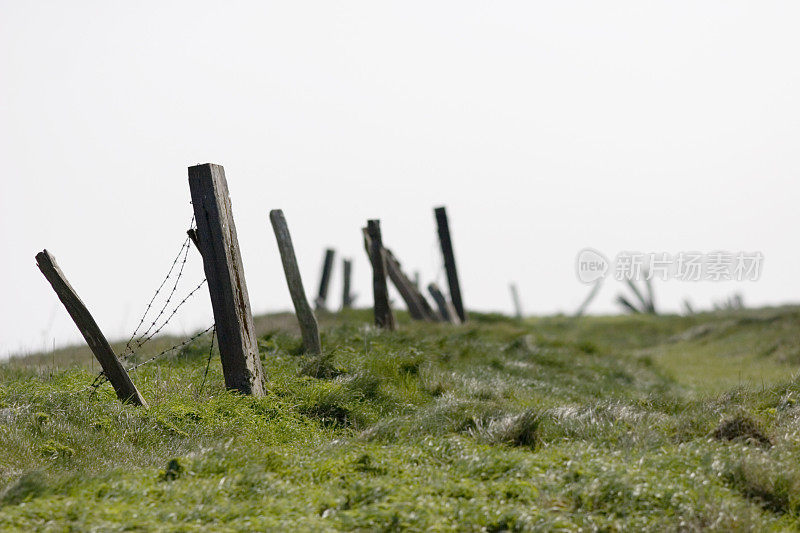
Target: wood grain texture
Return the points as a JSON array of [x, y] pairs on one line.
[[112, 367], [446, 309], [305, 316], [446, 243], [222, 262], [384, 318]]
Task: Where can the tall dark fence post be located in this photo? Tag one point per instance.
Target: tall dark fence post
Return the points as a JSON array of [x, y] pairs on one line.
[[305, 316], [325, 279], [384, 318], [515, 299], [222, 262], [112, 367], [347, 295], [449, 262]]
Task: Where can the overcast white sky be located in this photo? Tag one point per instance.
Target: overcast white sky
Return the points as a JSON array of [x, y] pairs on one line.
[[545, 127]]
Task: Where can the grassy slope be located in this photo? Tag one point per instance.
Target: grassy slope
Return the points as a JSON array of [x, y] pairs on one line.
[[605, 422]]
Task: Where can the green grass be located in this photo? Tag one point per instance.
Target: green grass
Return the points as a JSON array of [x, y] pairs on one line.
[[601, 423]]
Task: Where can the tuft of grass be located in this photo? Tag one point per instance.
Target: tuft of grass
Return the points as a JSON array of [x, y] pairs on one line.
[[520, 429]]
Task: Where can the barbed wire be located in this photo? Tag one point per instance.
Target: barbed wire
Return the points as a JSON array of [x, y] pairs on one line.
[[168, 350], [208, 362], [101, 377], [128, 351], [172, 314], [146, 336]]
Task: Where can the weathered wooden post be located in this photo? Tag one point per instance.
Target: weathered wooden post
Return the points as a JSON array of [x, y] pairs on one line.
[[446, 309], [222, 262], [384, 318], [305, 316], [324, 280], [347, 296], [515, 299], [418, 306], [449, 262], [112, 367]]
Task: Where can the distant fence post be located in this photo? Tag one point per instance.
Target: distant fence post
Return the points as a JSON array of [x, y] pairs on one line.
[[417, 305], [446, 309], [384, 317], [222, 262], [449, 261], [305, 316], [515, 299], [112, 367], [347, 295], [325, 279]]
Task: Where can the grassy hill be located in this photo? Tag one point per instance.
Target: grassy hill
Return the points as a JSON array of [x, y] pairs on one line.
[[607, 423]]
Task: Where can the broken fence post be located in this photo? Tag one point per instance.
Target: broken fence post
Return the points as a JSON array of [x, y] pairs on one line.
[[417, 305], [348, 298], [446, 309], [325, 279], [384, 318], [305, 316], [446, 244], [222, 262], [112, 367]]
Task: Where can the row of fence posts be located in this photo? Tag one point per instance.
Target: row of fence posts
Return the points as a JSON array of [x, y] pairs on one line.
[[215, 238]]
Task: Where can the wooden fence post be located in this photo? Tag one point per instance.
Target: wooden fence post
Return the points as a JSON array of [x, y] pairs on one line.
[[418, 306], [112, 367], [384, 318], [515, 299], [446, 309], [305, 316], [449, 262], [324, 280], [347, 296], [222, 262]]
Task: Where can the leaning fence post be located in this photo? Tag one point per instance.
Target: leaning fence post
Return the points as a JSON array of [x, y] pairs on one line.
[[222, 262], [305, 316], [418, 307], [112, 367], [446, 309], [384, 317], [325, 279], [449, 261], [347, 295]]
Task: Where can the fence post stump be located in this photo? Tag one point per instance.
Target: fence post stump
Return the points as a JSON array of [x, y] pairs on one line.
[[515, 299], [222, 262], [446, 309], [305, 316], [325, 279], [112, 367], [347, 296], [384, 318], [446, 244]]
